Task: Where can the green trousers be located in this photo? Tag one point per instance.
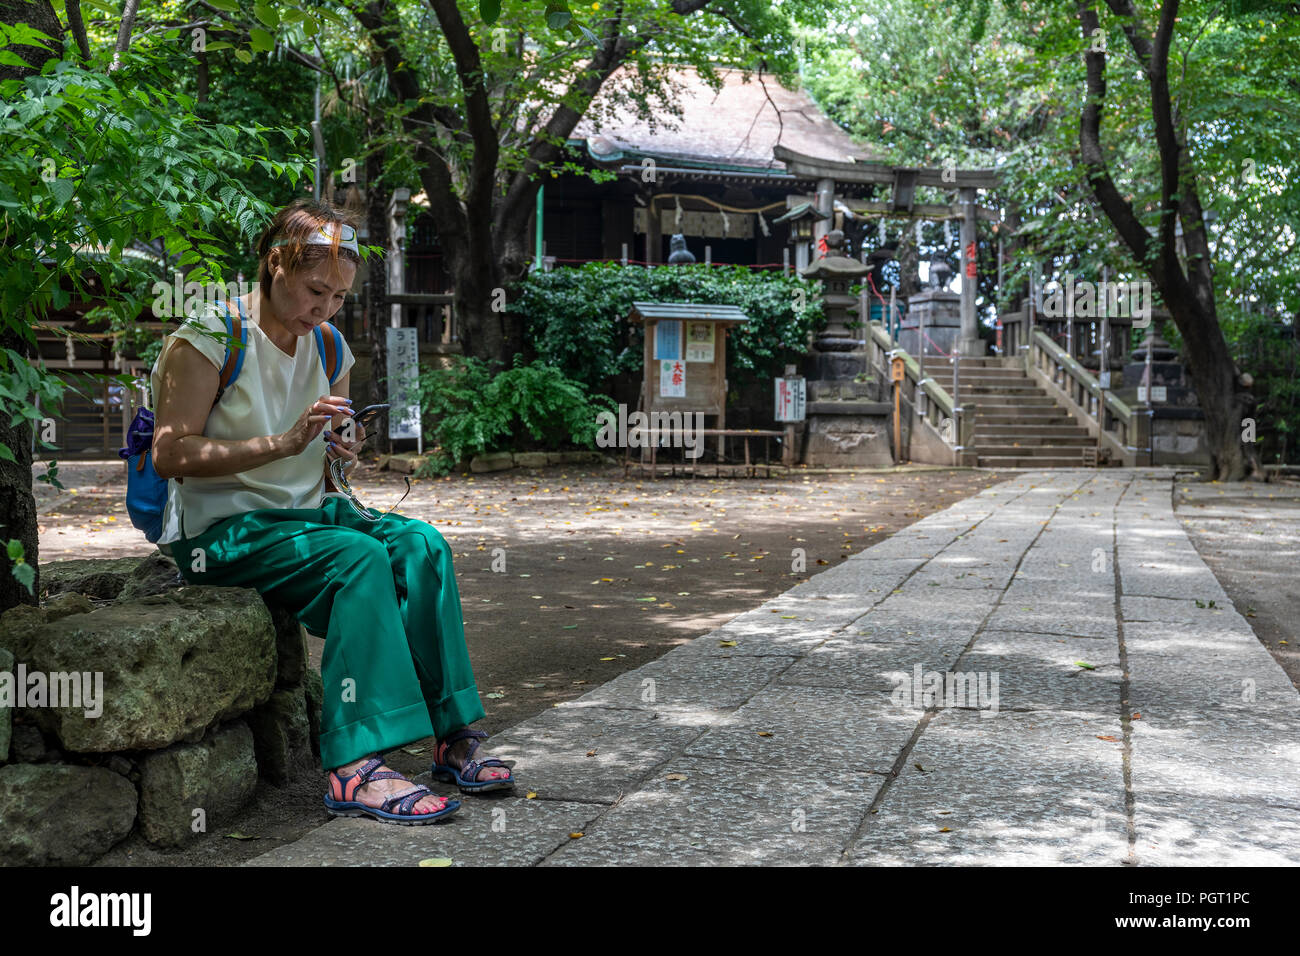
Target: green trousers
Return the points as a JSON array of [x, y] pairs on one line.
[[383, 593]]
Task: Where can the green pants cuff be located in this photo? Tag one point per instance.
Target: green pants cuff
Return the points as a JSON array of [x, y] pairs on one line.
[[456, 710], [374, 733]]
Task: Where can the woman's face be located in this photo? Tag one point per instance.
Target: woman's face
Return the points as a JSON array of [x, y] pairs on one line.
[[303, 300]]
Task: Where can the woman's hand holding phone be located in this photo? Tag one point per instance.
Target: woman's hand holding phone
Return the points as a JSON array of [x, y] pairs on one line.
[[312, 422], [343, 449]]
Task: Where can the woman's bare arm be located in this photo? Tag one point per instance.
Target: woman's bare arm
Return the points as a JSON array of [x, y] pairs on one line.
[[187, 388]]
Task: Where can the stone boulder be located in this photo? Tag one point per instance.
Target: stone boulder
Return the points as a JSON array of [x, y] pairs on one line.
[[173, 664], [314, 688], [282, 736], [58, 815], [102, 578], [6, 713], [492, 461], [25, 619], [290, 646], [156, 574], [189, 788]]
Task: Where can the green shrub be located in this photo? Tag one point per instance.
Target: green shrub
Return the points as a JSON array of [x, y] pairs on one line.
[[473, 412], [576, 316]]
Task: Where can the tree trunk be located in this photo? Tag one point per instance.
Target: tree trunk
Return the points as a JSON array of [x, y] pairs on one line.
[[374, 306], [1187, 288], [39, 15], [17, 504]]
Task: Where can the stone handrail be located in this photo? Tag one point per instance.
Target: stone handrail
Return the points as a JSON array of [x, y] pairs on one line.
[[1113, 423], [938, 406]]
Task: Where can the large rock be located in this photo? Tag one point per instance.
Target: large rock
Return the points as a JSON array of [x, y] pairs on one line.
[[290, 646], [6, 713], [492, 461], [95, 577], [314, 688], [156, 574], [216, 776], [172, 665], [27, 745], [406, 463], [58, 815], [25, 619], [282, 736]]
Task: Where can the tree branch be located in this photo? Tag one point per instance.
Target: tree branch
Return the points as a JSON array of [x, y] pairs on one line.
[[1117, 209], [124, 32], [435, 174], [78, 27], [478, 109]]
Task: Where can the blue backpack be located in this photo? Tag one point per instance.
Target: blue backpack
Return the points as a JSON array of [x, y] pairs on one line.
[[146, 491]]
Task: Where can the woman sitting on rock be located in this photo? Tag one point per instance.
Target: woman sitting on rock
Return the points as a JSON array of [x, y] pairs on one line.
[[258, 506]]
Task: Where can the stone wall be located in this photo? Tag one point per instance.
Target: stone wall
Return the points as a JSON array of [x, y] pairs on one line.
[[130, 700]]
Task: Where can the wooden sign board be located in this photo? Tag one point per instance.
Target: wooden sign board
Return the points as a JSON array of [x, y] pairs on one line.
[[897, 370]]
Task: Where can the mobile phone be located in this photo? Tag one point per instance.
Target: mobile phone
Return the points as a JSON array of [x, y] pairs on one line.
[[370, 413]]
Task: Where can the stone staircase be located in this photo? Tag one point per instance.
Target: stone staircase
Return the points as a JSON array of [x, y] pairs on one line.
[[1017, 424]]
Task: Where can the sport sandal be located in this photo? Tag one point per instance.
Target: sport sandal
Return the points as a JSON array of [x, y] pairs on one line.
[[339, 802], [464, 777]]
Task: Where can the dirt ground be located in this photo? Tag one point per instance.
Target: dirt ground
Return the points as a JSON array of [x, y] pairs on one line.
[[596, 566], [1249, 535]]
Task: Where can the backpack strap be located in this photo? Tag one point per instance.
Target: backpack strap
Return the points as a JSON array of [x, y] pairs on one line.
[[234, 361], [329, 346]]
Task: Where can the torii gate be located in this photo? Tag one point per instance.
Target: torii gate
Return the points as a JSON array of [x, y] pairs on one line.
[[904, 180]]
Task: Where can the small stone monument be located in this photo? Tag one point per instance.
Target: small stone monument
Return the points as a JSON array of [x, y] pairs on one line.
[[1178, 424], [937, 311], [678, 254]]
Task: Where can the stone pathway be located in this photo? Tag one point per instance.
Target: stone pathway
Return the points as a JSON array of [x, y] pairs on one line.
[[1104, 704]]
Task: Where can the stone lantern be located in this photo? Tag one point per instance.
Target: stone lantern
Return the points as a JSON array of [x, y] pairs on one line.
[[802, 219], [835, 354], [847, 425]]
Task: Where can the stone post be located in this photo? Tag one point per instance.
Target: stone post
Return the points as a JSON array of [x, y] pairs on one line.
[[970, 343]]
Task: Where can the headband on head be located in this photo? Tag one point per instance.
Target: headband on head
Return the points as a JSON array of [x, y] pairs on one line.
[[324, 236]]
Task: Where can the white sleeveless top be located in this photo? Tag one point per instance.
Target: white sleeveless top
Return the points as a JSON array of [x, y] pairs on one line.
[[271, 392]]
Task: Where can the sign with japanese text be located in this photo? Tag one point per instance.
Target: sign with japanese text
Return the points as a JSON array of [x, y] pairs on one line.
[[700, 340], [403, 373], [791, 399], [668, 339], [672, 378]]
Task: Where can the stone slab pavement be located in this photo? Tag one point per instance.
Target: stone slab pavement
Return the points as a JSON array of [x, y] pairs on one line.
[[1045, 673]]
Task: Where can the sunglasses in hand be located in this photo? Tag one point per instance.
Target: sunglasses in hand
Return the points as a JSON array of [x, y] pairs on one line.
[[338, 471]]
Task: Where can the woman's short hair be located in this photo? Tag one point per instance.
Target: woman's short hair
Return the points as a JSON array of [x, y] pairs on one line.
[[295, 223]]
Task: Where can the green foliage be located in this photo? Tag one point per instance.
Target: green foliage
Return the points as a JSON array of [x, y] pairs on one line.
[[576, 317], [51, 476], [92, 161], [23, 572], [473, 411], [1013, 100], [1269, 352]]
